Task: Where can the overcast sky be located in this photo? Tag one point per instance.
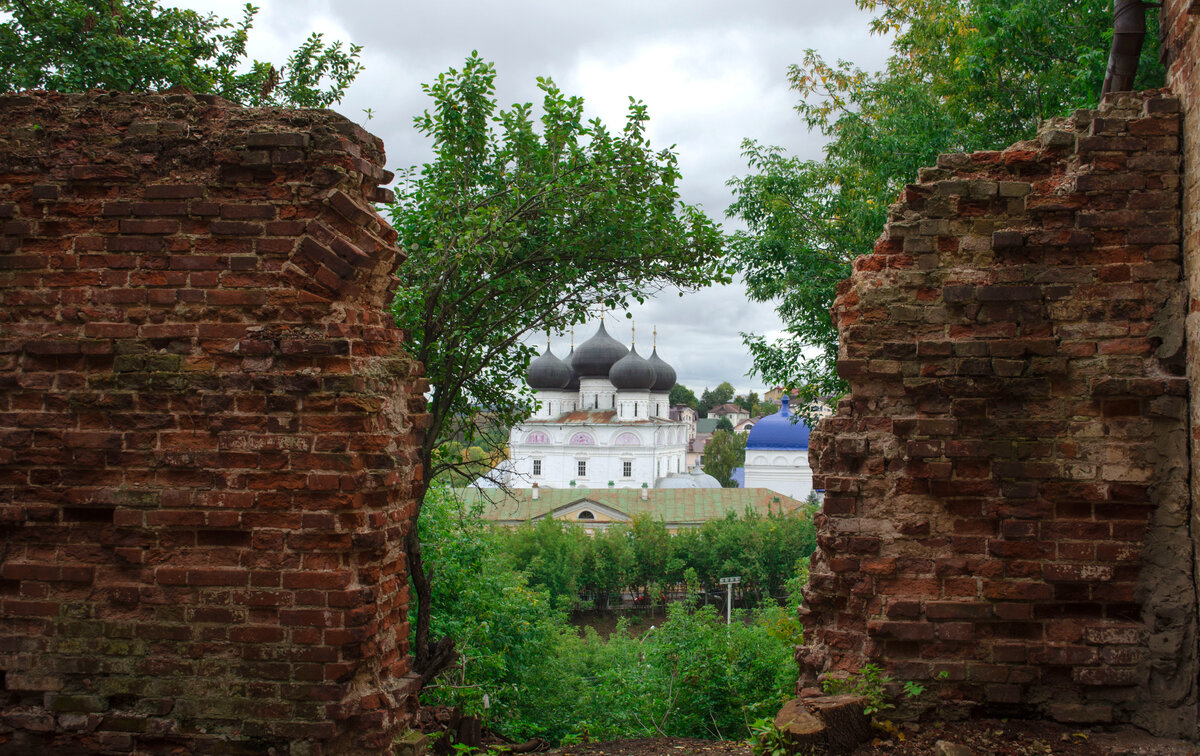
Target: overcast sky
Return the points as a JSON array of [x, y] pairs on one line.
[[711, 74]]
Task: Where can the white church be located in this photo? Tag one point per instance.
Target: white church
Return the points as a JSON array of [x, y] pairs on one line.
[[604, 421]]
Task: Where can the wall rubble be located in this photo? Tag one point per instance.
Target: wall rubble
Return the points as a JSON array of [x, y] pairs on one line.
[[206, 431], [1006, 511]]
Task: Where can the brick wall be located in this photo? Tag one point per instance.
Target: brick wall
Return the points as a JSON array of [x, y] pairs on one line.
[[1006, 516], [206, 431], [1181, 52]]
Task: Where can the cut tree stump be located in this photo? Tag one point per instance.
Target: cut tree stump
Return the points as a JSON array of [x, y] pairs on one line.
[[830, 724]]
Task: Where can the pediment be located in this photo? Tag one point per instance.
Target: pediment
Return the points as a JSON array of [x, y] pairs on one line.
[[571, 510]]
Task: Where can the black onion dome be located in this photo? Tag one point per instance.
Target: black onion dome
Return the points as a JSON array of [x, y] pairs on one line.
[[573, 384], [596, 356], [664, 373], [548, 373], [632, 372]]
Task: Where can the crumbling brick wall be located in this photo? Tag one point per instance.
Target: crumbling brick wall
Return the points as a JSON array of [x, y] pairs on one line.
[[1181, 51], [1006, 510], [206, 431]]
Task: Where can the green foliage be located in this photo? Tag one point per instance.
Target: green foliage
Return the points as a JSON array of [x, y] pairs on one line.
[[608, 564], [964, 75], [693, 676], [520, 225], [763, 550], [722, 394], [681, 394], [747, 402], [463, 465], [552, 553], [137, 45], [724, 452], [870, 682], [767, 740], [503, 627], [913, 689]]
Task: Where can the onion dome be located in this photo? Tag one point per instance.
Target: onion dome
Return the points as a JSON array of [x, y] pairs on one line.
[[596, 356], [573, 384], [779, 432], [631, 372], [548, 373], [664, 374], [703, 479]]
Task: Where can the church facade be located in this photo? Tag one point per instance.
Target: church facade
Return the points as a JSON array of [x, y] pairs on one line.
[[604, 420], [777, 454]]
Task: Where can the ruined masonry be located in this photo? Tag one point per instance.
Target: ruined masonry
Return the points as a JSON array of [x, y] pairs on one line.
[[1007, 511], [206, 431]]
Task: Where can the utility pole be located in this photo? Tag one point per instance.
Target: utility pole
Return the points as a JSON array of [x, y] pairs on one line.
[[729, 582]]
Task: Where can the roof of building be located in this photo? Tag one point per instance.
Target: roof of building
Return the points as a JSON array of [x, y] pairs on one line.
[[682, 505], [601, 417], [664, 373], [779, 432], [729, 408], [707, 424], [633, 372], [548, 373], [596, 356]]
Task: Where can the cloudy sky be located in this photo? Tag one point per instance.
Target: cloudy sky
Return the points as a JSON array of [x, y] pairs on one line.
[[711, 74]]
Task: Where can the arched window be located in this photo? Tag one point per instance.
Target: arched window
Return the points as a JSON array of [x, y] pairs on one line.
[[628, 439], [537, 437], [582, 439], [585, 515]]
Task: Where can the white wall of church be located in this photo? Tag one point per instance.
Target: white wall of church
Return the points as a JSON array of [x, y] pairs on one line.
[[550, 453], [784, 471]]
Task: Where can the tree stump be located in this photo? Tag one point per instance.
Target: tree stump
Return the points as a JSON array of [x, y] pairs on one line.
[[831, 724]]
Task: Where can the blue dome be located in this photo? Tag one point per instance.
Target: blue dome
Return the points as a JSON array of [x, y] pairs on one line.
[[779, 432]]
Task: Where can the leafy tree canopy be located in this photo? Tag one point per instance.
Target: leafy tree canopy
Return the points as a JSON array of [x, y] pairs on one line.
[[964, 75], [722, 394], [137, 45], [681, 394], [520, 225], [723, 453]]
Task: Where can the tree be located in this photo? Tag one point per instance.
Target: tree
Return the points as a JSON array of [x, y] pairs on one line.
[[515, 228], [681, 394], [608, 564], [964, 75], [724, 424], [747, 401], [722, 394], [137, 45], [725, 451]]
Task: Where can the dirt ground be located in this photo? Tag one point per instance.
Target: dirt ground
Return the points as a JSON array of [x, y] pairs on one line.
[[984, 737]]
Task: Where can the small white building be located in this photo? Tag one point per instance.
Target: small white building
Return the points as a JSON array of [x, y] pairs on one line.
[[604, 419], [777, 455]]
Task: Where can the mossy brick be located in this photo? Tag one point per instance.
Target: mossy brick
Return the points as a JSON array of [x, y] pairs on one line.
[[144, 381], [62, 704]]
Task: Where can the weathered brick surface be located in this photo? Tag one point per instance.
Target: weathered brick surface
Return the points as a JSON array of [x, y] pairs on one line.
[[1006, 484], [206, 431]]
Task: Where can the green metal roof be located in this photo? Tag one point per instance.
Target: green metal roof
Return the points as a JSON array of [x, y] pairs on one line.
[[671, 505], [707, 424]]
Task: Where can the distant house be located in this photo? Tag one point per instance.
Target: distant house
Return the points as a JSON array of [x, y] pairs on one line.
[[734, 412], [596, 509], [745, 425], [705, 427], [685, 414]]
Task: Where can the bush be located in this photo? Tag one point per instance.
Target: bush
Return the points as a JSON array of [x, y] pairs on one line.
[[693, 676]]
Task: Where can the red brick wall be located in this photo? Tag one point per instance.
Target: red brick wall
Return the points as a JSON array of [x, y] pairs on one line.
[[1006, 503], [206, 431]]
